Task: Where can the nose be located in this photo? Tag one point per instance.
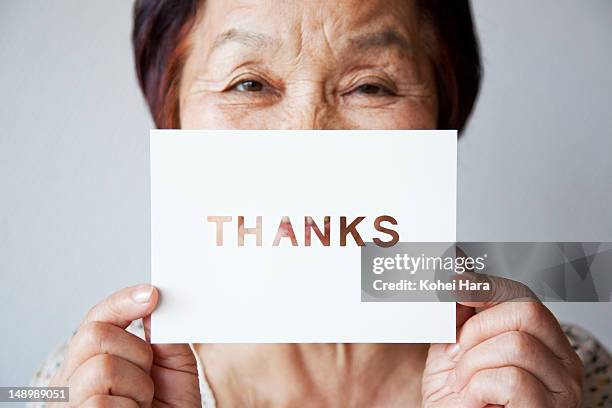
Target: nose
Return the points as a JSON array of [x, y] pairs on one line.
[[318, 117], [312, 110]]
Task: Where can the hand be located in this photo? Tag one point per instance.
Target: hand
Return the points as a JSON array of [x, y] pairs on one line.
[[511, 354], [105, 366]]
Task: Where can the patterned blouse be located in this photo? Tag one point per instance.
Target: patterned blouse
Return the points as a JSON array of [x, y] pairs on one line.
[[597, 389]]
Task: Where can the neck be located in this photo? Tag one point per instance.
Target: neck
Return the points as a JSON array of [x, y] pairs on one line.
[[322, 374]]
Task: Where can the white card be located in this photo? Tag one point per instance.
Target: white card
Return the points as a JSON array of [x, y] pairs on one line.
[[291, 292]]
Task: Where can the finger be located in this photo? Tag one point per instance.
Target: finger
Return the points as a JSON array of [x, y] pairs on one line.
[[529, 317], [109, 401], [511, 387], [177, 356], [174, 368], [103, 338], [463, 313], [501, 290], [517, 349], [124, 306], [105, 374]]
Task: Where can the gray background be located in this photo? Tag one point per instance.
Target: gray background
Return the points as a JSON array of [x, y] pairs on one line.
[[534, 165]]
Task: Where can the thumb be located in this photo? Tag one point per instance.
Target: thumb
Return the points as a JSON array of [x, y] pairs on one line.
[[463, 313], [499, 290]]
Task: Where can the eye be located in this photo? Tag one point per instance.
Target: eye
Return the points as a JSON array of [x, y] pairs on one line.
[[248, 86], [373, 90]]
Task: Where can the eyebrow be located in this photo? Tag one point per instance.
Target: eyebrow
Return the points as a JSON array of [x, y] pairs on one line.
[[381, 39], [247, 38]]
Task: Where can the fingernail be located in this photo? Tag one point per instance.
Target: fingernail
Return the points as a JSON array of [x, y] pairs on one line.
[[453, 350], [450, 379], [142, 293]]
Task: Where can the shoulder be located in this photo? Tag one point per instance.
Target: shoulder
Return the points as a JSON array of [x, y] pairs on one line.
[[597, 386]]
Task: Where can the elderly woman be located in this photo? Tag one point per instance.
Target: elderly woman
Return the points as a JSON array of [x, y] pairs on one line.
[[320, 64]]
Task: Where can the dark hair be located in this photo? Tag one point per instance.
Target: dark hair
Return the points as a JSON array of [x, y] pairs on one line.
[[160, 40]]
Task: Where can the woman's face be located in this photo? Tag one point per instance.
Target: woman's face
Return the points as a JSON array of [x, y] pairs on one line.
[[316, 64]]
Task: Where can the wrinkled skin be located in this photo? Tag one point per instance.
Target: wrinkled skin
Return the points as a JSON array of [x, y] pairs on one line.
[[308, 65]]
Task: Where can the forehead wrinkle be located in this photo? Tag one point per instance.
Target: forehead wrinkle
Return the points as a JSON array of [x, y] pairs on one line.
[[382, 39], [249, 39]]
